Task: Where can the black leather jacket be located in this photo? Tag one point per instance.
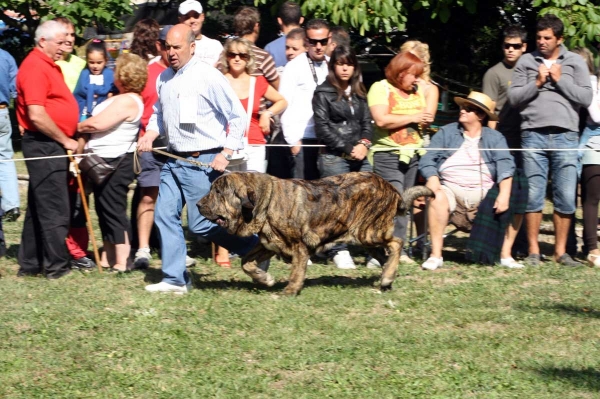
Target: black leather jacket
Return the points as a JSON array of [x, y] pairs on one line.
[[335, 123]]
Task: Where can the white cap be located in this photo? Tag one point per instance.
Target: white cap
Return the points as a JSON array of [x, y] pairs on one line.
[[190, 5]]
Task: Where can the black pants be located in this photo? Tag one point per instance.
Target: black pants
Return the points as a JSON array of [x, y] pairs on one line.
[[590, 195], [46, 225]]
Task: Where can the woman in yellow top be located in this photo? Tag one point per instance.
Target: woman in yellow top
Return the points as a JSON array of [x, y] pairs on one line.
[[398, 107]]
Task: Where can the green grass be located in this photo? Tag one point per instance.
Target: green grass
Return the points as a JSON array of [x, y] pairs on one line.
[[461, 332]]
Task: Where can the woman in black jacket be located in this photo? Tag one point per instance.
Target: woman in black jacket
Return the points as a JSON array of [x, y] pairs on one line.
[[343, 123], [342, 118]]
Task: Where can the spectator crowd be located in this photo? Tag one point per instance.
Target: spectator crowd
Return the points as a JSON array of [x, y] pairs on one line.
[[218, 107]]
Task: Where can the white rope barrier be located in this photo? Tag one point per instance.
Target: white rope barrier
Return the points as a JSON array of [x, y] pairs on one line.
[[322, 145]]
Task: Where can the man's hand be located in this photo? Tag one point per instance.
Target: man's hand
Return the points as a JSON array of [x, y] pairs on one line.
[[296, 149], [70, 144], [543, 73], [433, 183], [501, 204], [219, 163], [555, 72], [423, 117], [144, 143], [359, 152]]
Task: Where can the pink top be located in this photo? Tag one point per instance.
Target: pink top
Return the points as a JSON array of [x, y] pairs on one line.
[[466, 168]]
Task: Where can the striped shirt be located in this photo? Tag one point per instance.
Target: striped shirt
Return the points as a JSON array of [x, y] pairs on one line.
[[265, 65], [197, 109], [466, 168]]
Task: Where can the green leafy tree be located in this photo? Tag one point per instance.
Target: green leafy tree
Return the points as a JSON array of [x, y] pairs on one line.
[[83, 13]]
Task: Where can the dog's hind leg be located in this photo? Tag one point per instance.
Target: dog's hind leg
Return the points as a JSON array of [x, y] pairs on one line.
[[250, 265], [298, 273], [390, 267]]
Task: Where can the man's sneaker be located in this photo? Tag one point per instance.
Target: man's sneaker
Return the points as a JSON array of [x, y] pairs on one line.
[[566, 260], [189, 262], [142, 258], [12, 214], [166, 287], [343, 260], [84, 263], [373, 263], [533, 260]]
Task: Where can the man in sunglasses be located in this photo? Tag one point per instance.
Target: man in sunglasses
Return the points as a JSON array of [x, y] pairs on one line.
[[549, 87], [496, 82], [207, 50], [298, 83]]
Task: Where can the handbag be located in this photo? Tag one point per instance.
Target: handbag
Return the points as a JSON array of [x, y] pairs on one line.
[[97, 169], [240, 156]]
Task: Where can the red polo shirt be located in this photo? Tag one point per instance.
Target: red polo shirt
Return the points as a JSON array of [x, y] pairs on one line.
[[149, 94], [40, 82]]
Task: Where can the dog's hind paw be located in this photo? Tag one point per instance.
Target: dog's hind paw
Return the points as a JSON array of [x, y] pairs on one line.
[[386, 284], [290, 291], [263, 278]]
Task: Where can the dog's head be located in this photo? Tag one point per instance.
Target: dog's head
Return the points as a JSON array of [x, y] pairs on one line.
[[233, 200]]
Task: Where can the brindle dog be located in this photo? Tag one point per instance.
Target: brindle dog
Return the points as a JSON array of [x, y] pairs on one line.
[[297, 218]]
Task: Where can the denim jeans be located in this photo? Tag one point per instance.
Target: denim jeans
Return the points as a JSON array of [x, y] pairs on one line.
[[182, 183], [400, 175], [537, 163], [8, 173]]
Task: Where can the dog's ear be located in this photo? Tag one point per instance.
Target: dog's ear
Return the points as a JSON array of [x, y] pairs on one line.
[[249, 201]]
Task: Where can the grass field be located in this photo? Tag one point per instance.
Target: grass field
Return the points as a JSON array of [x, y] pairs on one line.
[[464, 331]]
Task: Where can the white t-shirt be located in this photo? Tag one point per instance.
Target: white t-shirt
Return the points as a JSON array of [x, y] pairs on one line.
[[119, 140], [208, 50]]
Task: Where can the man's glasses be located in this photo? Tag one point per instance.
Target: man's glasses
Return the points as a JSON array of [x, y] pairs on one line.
[[243, 56], [313, 42], [516, 46]]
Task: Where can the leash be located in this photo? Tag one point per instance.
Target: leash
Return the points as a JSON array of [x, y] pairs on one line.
[[137, 168]]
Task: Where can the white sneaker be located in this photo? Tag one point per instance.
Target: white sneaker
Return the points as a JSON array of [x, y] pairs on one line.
[[142, 258], [166, 287], [309, 262], [432, 263], [373, 263], [511, 263], [189, 262], [343, 260]]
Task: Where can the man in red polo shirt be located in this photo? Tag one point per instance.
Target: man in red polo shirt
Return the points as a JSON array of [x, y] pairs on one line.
[[49, 113]]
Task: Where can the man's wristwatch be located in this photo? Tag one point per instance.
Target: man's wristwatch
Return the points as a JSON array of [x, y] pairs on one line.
[[226, 155]]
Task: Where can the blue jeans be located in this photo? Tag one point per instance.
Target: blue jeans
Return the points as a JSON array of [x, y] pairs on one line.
[[537, 163], [8, 173], [182, 183], [331, 165]]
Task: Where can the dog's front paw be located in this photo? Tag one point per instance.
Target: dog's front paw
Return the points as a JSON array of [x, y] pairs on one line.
[[386, 284], [290, 291]]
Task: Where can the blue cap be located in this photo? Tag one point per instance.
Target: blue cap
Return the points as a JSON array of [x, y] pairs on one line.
[[163, 32]]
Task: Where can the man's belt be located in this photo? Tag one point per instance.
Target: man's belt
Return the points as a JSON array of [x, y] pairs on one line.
[[195, 154], [3, 105]]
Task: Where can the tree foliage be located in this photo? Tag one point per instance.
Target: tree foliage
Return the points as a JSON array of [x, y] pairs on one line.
[[83, 13]]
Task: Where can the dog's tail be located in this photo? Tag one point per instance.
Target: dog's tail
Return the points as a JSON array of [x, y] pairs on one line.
[[411, 194]]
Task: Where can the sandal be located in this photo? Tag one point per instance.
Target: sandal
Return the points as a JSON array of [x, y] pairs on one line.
[[511, 263], [593, 260], [226, 264], [432, 263]]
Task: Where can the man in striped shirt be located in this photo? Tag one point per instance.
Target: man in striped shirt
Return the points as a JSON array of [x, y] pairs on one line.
[[204, 121]]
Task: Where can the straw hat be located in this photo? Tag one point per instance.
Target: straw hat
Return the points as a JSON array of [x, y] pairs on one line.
[[481, 101]]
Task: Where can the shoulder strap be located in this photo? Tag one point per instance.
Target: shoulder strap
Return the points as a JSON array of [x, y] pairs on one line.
[[250, 107]]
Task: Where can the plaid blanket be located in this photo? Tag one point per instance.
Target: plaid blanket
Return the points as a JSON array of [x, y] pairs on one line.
[[487, 234]]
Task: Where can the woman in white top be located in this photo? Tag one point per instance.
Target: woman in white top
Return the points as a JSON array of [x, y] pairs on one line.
[[113, 130]]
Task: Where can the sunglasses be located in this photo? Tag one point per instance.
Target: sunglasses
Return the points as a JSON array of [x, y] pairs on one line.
[[313, 42], [469, 108], [243, 56], [516, 46]]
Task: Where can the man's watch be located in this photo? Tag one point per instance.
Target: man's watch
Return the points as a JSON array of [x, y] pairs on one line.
[[226, 155]]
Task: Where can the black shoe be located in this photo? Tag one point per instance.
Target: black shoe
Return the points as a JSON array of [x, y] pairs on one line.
[[12, 215], [84, 264], [566, 260]]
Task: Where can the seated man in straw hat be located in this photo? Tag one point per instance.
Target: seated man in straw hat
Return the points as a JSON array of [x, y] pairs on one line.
[[461, 176]]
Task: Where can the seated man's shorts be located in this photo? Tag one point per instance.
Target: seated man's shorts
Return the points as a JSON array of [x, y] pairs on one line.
[[151, 164], [470, 198]]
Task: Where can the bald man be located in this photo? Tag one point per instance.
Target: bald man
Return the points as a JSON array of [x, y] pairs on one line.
[[196, 105]]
